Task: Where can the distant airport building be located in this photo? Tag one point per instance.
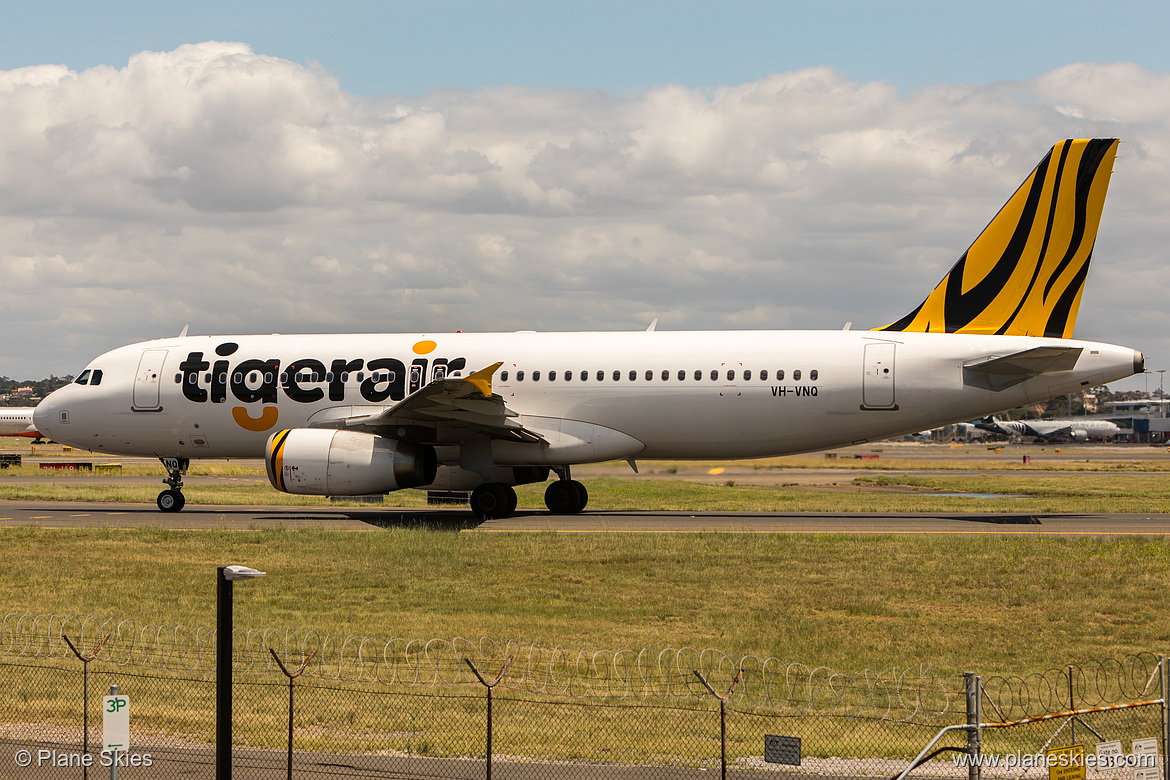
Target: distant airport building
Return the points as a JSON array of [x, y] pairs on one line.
[[1144, 419]]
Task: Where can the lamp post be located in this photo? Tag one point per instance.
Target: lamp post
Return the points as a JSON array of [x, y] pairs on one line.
[[223, 665], [1161, 393]]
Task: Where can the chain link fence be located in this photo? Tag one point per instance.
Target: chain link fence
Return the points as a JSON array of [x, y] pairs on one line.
[[365, 707]]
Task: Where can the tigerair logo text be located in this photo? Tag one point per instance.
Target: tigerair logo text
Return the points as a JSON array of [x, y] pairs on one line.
[[306, 380]]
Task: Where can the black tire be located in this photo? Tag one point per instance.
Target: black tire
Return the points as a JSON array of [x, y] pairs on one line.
[[491, 500], [170, 501], [565, 497], [582, 495]]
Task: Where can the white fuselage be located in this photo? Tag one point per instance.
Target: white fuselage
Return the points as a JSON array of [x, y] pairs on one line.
[[686, 395], [17, 421]]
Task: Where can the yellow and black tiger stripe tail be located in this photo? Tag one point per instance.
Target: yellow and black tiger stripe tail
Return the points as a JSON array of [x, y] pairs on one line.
[[1025, 272]]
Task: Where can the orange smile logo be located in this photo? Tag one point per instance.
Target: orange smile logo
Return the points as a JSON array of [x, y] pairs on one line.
[[266, 420]]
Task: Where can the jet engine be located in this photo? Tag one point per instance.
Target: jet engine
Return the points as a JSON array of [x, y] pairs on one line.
[[328, 462], [1079, 435]]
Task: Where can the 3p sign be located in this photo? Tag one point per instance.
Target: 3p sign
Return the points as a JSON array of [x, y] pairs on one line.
[[116, 722]]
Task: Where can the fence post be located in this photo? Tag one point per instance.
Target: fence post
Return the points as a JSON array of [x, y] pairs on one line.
[[291, 676], [974, 745], [1165, 719], [85, 659], [722, 716], [489, 687]]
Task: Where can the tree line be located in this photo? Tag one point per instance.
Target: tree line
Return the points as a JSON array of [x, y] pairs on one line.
[[40, 388]]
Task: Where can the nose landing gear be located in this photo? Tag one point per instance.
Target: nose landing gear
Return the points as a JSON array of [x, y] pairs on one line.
[[172, 500]]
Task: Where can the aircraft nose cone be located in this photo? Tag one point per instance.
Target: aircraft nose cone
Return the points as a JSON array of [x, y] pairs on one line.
[[45, 415]]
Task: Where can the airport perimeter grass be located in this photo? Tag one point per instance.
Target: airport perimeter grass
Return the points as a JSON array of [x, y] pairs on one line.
[[992, 605], [1022, 493]]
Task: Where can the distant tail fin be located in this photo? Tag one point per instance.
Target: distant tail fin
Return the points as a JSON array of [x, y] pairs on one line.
[[1025, 272]]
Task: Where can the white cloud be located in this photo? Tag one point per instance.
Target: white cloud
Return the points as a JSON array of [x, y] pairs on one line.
[[239, 192]]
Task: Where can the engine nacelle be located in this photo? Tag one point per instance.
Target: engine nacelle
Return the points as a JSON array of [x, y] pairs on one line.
[[328, 462], [1078, 435]]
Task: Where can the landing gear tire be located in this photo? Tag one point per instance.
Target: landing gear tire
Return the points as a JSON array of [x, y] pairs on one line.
[[170, 501], [493, 500], [566, 497]]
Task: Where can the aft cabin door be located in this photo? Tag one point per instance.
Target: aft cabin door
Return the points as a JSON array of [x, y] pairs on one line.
[[148, 379], [877, 385]]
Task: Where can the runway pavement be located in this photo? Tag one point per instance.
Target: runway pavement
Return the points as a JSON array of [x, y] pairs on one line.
[[196, 517]]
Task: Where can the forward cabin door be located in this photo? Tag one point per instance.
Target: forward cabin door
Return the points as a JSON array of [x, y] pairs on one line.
[[148, 379], [877, 384]]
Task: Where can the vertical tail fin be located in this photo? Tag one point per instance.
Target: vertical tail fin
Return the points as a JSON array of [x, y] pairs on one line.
[[1025, 272]]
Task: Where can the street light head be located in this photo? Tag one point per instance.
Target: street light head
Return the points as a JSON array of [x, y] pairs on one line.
[[240, 573]]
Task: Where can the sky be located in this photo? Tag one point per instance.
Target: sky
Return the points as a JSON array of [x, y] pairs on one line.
[[434, 166]]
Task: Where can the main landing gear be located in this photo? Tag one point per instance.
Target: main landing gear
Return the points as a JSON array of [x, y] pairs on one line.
[[566, 496], [172, 500], [496, 500], [493, 500]]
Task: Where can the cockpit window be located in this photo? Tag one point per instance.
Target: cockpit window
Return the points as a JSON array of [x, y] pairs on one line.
[[83, 379], [96, 378]]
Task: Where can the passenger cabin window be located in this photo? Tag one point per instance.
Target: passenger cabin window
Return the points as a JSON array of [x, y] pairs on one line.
[[519, 376], [617, 375], [649, 375], [796, 375], [813, 374], [665, 375], [535, 376], [552, 376], [585, 375], [633, 375], [730, 374], [698, 374], [600, 375], [747, 374], [715, 374], [763, 375], [780, 375], [568, 376], [682, 374], [503, 376]]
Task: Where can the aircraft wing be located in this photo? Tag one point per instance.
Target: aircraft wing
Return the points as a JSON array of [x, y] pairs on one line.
[[446, 411]]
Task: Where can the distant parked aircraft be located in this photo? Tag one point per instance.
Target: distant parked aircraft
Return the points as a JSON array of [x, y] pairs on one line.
[[18, 421], [1077, 429]]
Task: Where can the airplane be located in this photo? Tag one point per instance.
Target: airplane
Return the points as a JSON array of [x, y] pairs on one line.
[[346, 415], [18, 421], [1076, 429]]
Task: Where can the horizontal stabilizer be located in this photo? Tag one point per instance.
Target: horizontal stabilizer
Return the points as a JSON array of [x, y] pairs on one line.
[[1000, 373]]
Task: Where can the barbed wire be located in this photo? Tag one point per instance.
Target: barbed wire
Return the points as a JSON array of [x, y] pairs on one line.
[[913, 693], [1087, 684]]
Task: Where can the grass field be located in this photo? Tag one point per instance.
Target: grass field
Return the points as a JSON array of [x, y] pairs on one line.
[[994, 605], [991, 604]]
